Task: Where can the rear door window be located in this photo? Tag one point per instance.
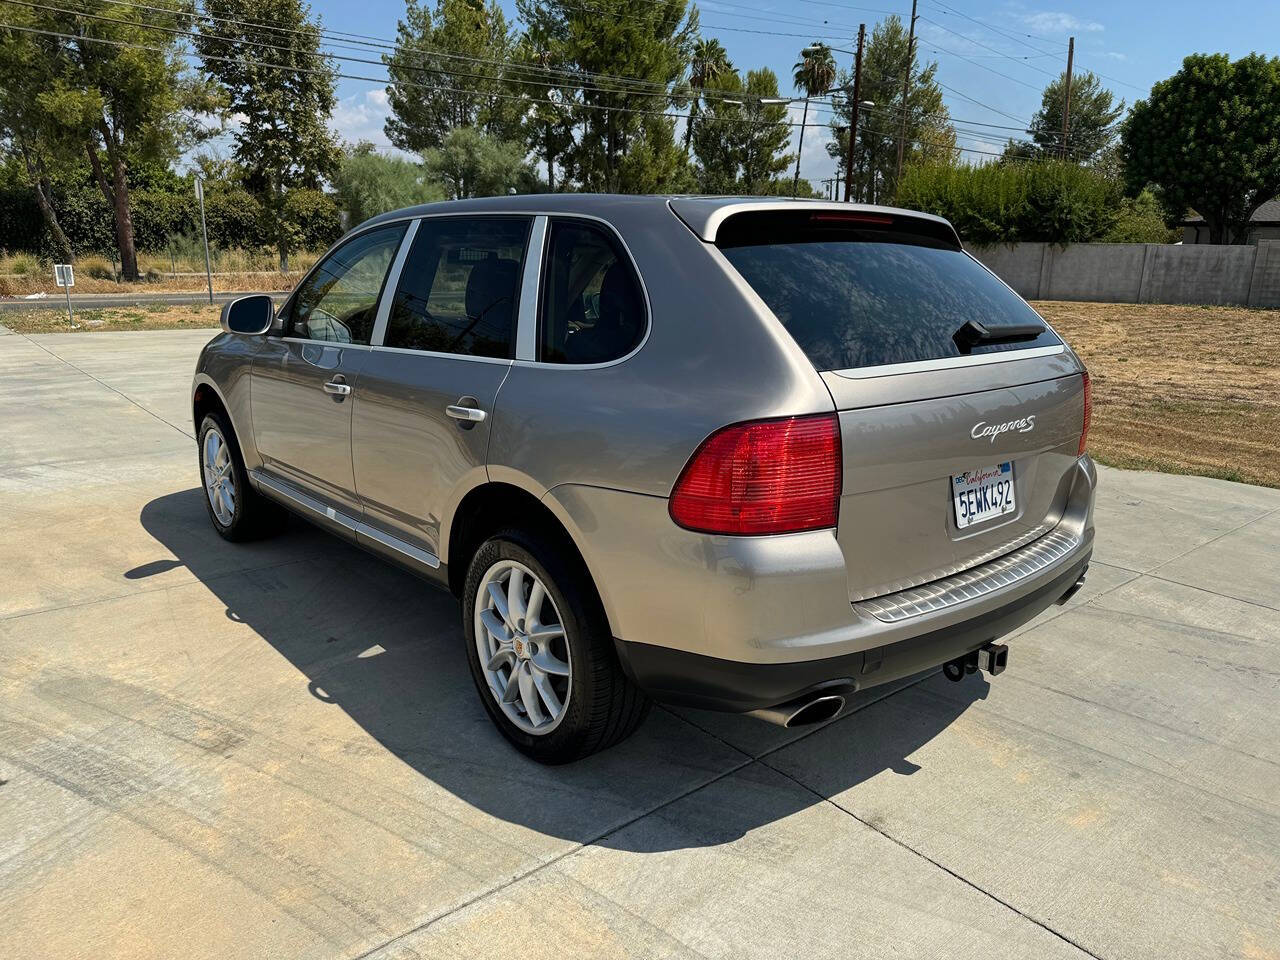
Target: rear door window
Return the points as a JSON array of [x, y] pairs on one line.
[[460, 287], [862, 295], [592, 307]]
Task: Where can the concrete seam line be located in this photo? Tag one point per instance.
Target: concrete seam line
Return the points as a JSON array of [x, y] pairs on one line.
[[620, 827], [125, 396], [945, 869], [1213, 593], [1227, 533], [426, 924]]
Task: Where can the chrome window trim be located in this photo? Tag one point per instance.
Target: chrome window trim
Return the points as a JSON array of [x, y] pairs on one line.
[[335, 344], [636, 271], [530, 284], [390, 285], [503, 361], [947, 363], [313, 506]]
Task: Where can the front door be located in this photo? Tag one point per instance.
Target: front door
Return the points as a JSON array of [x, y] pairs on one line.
[[303, 380], [426, 395]]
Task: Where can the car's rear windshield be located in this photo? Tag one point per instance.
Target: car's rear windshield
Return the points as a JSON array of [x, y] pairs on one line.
[[861, 295]]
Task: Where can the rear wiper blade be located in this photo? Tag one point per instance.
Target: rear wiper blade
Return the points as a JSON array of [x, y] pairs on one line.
[[974, 333]]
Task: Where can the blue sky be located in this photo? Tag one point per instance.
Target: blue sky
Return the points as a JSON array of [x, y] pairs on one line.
[[1133, 44]]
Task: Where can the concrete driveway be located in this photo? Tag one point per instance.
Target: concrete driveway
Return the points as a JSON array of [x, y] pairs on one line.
[[276, 750]]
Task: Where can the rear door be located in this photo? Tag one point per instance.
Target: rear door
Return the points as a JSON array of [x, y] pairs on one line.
[[426, 392], [303, 381], [960, 409]]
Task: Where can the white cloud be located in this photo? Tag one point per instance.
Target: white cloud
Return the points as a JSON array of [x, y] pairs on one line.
[[1115, 55], [1048, 21], [361, 116]]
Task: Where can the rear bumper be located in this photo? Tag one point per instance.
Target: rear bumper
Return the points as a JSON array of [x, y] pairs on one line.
[[690, 679]]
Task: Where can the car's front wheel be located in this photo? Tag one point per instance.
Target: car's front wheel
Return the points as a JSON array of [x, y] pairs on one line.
[[237, 510], [541, 652]]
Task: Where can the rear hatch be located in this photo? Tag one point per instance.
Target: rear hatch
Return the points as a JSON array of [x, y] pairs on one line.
[[960, 409]]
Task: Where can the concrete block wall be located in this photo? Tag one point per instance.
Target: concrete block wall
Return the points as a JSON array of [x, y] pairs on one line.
[[1140, 272]]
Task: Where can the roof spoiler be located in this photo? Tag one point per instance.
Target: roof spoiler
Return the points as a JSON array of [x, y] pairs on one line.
[[705, 216]]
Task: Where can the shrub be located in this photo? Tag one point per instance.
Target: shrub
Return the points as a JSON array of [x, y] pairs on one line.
[[1047, 200]]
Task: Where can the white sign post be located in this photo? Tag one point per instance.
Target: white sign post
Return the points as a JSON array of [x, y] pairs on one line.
[[208, 273], [65, 276]]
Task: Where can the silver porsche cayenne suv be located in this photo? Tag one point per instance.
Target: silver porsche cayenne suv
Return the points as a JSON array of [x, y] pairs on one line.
[[740, 454]]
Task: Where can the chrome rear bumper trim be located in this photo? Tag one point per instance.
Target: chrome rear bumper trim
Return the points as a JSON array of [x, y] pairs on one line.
[[973, 583]]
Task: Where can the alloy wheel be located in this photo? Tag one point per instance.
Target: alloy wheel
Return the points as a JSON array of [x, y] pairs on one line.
[[523, 647], [219, 476]]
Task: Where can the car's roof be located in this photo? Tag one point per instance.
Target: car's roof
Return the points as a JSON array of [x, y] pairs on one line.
[[702, 214]]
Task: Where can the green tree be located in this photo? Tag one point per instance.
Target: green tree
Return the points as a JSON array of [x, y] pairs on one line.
[[547, 125], [1093, 120], [114, 89], [1140, 220], [470, 164], [813, 74], [930, 136], [710, 64], [282, 95], [29, 143], [740, 141], [446, 72], [625, 139], [367, 183], [1208, 139]]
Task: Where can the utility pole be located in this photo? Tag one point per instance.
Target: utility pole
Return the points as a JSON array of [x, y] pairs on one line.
[[1066, 95], [204, 230], [853, 115], [906, 88]]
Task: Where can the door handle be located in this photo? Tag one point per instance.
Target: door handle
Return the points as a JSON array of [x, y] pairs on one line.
[[465, 414], [337, 387]]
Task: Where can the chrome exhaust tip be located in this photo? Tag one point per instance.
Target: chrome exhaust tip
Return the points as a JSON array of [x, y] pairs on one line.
[[803, 711]]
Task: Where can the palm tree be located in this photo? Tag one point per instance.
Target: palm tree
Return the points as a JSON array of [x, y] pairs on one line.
[[710, 63], [815, 73]]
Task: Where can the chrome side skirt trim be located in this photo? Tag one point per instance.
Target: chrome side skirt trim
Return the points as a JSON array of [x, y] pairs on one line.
[[310, 505], [972, 584], [398, 545]]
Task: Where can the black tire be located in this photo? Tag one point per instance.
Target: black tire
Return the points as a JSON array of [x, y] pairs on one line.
[[254, 516], [604, 706]]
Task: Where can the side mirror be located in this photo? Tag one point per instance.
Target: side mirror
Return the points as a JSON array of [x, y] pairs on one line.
[[250, 316]]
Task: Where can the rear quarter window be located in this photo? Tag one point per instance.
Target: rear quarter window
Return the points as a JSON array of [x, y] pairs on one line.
[[867, 295]]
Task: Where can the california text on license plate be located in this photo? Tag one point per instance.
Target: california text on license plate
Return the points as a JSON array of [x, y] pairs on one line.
[[983, 494]]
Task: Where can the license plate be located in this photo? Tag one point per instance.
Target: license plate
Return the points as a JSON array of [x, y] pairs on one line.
[[983, 494]]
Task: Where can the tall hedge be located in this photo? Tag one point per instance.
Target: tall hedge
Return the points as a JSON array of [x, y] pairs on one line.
[[1049, 200], [235, 218]]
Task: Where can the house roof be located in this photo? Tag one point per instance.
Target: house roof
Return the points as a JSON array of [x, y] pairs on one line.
[[1268, 213]]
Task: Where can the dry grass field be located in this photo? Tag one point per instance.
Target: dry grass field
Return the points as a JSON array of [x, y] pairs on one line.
[[1178, 388], [152, 316], [22, 274]]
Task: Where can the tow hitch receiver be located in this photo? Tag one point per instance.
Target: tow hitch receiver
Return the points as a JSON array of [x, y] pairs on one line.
[[991, 658]]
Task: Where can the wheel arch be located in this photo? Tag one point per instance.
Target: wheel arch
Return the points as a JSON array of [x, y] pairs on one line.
[[490, 507]]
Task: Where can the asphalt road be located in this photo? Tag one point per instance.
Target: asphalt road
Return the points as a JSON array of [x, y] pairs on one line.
[[97, 301], [275, 750]]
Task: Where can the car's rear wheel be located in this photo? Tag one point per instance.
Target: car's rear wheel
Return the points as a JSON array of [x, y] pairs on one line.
[[238, 512], [541, 653]]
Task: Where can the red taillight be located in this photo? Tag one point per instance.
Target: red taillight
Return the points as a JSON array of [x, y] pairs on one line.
[[769, 476], [1088, 413]]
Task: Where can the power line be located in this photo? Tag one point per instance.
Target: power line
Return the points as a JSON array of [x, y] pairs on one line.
[[982, 23]]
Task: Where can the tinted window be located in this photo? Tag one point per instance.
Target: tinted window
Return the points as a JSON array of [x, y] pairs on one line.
[[592, 308], [459, 288], [857, 298], [338, 301]]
